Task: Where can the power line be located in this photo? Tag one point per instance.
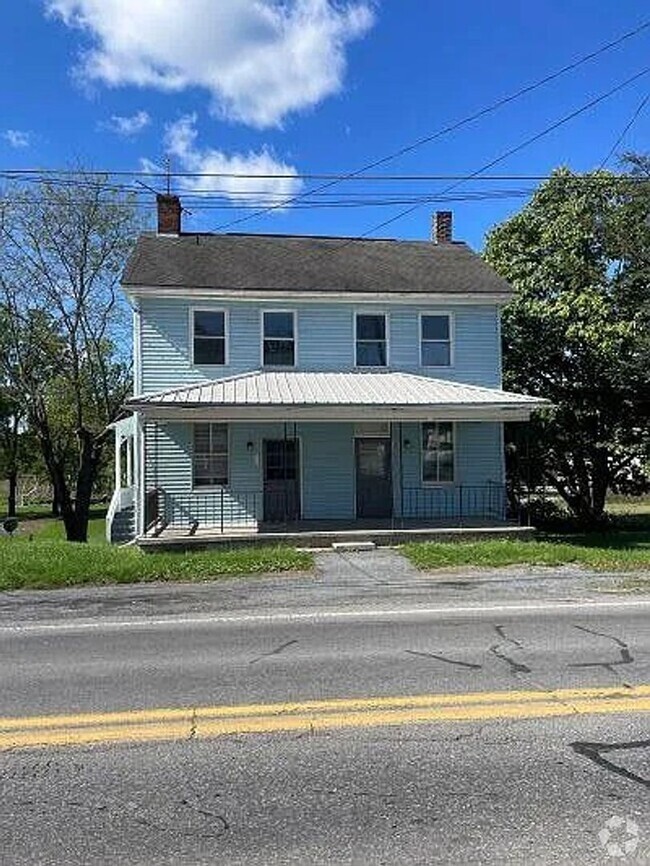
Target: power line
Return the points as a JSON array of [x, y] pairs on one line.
[[503, 156], [226, 198], [454, 126], [627, 128], [58, 175], [209, 203]]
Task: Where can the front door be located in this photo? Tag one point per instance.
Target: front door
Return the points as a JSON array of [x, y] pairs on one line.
[[281, 480], [374, 480]]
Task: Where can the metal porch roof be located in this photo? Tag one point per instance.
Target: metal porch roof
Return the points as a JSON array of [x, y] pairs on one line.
[[358, 390]]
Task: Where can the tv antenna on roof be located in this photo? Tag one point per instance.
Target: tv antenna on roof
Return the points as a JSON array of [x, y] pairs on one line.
[[168, 173]]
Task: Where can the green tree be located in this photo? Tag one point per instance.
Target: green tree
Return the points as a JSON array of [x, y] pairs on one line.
[[16, 446], [10, 420], [576, 332], [62, 250]]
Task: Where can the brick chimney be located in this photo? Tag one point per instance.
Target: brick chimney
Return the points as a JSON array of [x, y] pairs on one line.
[[442, 232], [169, 214]]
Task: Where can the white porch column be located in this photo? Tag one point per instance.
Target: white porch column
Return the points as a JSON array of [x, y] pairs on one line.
[[140, 473], [118, 460], [129, 461]]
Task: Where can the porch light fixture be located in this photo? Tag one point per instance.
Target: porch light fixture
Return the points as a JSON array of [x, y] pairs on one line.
[[250, 447], [407, 444]]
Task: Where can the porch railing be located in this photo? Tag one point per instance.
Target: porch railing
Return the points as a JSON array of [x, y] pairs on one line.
[[227, 510], [222, 510], [455, 503]]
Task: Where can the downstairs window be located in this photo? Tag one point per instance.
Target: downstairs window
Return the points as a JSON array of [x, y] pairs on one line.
[[210, 455]]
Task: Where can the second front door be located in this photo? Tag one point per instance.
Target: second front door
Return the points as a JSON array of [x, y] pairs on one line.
[[373, 478], [281, 480]]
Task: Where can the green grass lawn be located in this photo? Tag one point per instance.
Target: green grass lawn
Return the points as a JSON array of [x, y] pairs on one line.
[[628, 504], [38, 557], [54, 530], [616, 551], [39, 523], [44, 563]]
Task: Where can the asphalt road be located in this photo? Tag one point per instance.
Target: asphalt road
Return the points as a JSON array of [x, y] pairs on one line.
[[519, 788]]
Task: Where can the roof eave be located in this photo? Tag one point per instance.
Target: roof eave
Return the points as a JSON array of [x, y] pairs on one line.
[[334, 412], [216, 293]]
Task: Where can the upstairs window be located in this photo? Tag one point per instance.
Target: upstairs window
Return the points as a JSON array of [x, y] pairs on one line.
[[435, 340], [210, 464], [209, 337], [371, 348], [437, 452], [278, 339]]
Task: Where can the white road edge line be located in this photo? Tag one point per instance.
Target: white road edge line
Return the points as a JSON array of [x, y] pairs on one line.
[[325, 615]]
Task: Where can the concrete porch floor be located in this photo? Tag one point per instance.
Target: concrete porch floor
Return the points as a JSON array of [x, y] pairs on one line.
[[324, 533]]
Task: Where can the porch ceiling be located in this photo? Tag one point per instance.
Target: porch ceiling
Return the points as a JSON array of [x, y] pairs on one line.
[[335, 396]]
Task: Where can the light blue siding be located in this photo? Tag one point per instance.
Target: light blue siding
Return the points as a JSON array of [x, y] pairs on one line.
[[327, 472], [325, 341], [478, 467], [480, 457]]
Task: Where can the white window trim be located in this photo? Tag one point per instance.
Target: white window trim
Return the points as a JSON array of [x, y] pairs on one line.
[[226, 334], [212, 488], [454, 439], [386, 316], [294, 314], [452, 339]]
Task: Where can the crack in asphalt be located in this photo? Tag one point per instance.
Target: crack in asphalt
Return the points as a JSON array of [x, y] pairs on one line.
[[515, 666], [161, 828], [274, 652], [626, 656], [500, 630], [470, 665], [192, 733], [595, 752]]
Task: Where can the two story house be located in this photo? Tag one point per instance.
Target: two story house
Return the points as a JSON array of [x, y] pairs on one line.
[[310, 381]]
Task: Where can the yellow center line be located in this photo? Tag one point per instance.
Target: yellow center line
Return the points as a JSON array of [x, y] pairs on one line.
[[212, 721]]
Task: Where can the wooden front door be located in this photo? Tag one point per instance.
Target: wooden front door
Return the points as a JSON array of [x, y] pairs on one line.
[[281, 480], [374, 478]]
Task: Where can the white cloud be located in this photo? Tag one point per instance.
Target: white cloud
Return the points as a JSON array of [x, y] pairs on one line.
[[17, 138], [128, 125], [259, 59], [181, 144]]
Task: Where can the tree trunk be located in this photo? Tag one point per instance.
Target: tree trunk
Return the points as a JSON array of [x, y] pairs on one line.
[[55, 469], [600, 484], [12, 446], [56, 509], [585, 495], [12, 477], [90, 454], [75, 513]]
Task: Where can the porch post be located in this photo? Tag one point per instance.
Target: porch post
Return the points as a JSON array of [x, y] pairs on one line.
[[140, 475], [284, 477], [129, 461], [401, 473], [118, 460]]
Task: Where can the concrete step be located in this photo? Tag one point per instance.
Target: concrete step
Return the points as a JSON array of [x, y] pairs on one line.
[[353, 545], [123, 526]]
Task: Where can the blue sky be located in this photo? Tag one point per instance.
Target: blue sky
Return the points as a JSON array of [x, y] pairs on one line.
[[312, 86]]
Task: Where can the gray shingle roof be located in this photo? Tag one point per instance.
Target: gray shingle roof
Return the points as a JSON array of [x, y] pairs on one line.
[[310, 264]]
